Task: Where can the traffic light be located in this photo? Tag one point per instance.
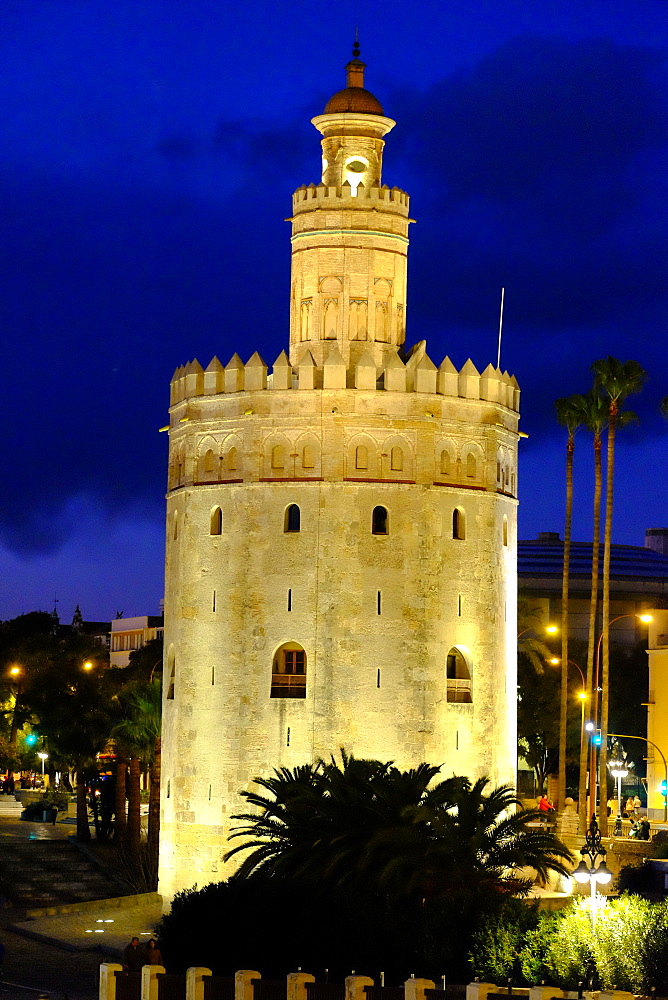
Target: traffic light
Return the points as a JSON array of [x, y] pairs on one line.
[[596, 738], [31, 739], [664, 788]]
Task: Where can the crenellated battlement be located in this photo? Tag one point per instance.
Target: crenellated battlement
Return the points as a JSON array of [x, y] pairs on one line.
[[308, 196], [418, 374]]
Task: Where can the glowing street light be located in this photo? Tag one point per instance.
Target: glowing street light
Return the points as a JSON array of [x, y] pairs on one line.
[[591, 872], [619, 770], [43, 756]]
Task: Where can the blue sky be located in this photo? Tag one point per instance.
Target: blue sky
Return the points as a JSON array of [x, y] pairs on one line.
[[148, 153]]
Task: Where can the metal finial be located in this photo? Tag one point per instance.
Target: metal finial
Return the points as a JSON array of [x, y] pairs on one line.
[[356, 46]]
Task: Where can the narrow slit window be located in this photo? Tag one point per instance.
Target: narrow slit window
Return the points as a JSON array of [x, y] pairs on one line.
[[293, 518], [213, 601], [379, 521], [213, 676], [458, 523], [378, 605], [287, 739], [216, 521], [289, 600], [459, 605], [471, 466], [505, 530], [378, 678]]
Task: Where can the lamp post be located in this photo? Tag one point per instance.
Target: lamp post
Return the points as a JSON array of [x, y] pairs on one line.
[[624, 736], [43, 756], [645, 618], [589, 871], [619, 770], [582, 695]]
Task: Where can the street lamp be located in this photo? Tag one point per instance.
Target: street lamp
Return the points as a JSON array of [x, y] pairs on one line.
[[619, 770], [645, 618], [589, 871], [43, 756]]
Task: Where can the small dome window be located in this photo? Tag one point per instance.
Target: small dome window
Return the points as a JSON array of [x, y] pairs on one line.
[[216, 521], [293, 518], [379, 521]]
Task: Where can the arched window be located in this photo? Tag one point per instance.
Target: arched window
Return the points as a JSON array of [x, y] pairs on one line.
[[445, 463], [379, 521], [471, 466], [458, 523], [209, 460], [278, 457], [458, 676], [293, 518], [232, 460], [505, 530], [396, 459], [288, 672], [216, 522], [308, 457], [361, 457]]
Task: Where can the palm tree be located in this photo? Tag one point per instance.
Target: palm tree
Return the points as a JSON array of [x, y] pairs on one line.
[[139, 733], [617, 380], [529, 626], [366, 824], [570, 415], [595, 411]]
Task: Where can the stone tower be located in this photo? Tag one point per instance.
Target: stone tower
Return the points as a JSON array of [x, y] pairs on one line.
[[341, 533]]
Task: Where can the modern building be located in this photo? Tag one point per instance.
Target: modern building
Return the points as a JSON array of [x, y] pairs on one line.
[[341, 532], [638, 581], [128, 634]]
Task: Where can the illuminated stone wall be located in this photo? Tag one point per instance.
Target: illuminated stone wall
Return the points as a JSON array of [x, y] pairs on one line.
[[342, 426]]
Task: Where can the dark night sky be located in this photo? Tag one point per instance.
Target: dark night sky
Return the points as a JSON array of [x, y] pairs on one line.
[[149, 149]]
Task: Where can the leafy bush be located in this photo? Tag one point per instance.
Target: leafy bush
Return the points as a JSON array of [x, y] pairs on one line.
[[498, 943], [58, 797], [629, 949]]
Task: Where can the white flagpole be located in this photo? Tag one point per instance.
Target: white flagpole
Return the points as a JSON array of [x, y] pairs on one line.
[[498, 356]]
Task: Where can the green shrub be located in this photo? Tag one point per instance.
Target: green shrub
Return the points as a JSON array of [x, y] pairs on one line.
[[497, 943]]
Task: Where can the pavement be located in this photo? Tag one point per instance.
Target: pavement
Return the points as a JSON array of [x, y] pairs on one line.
[[58, 949]]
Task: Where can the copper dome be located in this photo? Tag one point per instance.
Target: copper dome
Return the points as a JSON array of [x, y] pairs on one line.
[[354, 99]]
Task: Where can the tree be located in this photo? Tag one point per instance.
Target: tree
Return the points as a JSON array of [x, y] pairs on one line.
[[537, 722], [570, 415], [369, 826], [139, 734], [595, 412], [616, 380]]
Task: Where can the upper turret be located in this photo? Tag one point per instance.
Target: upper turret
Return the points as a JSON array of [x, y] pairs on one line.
[[349, 238], [353, 125]]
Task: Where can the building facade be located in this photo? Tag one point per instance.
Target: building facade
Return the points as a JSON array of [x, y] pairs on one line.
[[128, 634], [341, 533]]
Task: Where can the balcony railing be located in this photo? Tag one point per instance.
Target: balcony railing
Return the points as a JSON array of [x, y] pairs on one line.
[[288, 685], [459, 689]]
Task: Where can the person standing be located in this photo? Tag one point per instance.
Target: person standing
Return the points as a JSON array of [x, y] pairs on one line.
[[152, 955], [133, 957]]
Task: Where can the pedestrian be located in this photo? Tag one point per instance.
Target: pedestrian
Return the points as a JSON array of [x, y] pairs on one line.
[[629, 807], [636, 805], [152, 955], [545, 808], [133, 958]]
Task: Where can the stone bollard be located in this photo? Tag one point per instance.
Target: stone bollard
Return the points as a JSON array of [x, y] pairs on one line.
[[108, 972], [195, 977], [149, 981], [414, 988], [479, 991], [243, 984], [545, 992], [297, 985], [615, 995], [355, 987]]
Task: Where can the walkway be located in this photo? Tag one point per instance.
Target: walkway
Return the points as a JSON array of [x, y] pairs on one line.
[[58, 949]]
